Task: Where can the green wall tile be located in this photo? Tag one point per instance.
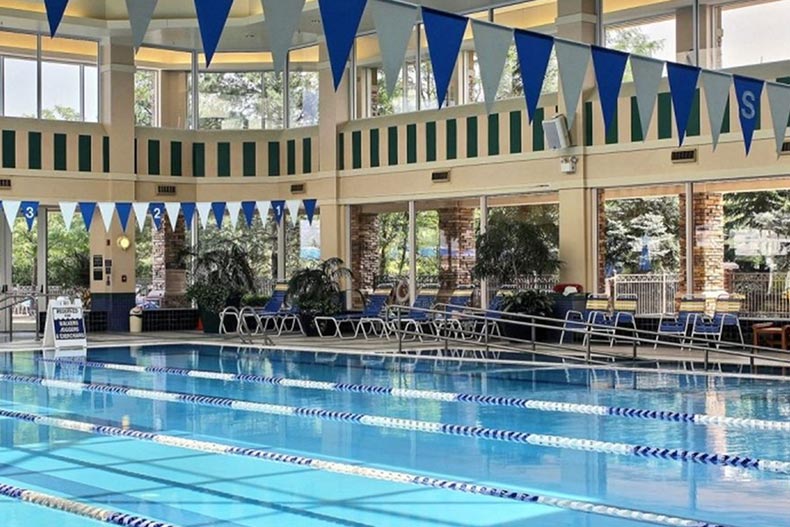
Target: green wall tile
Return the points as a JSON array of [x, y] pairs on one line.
[[725, 122], [223, 159], [154, 157], [664, 116], [274, 157], [9, 149], [392, 145], [430, 141], [587, 117], [356, 149], [375, 157], [636, 122], [307, 155], [341, 151], [34, 150], [613, 133], [84, 153], [198, 160], [693, 128], [60, 152], [290, 154], [105, 154], [471, 136], [452, 138], [538, 140], [176, 160], [515, 132], [493, 134], [249, 159], [411, 143]]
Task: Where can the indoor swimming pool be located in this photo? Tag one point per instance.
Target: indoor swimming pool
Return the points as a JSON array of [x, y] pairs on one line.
[[203, 435]]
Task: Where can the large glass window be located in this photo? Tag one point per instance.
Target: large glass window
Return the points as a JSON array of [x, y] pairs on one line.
[[20, 74], [650, 28], [145, 98], [303, 87], [231, 101], [68, 66], [374, 100], [738, 42]]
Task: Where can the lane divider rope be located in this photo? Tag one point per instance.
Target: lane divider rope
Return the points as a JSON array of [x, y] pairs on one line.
[[487, 400], [510, 436], [77, 508], [361, 471]]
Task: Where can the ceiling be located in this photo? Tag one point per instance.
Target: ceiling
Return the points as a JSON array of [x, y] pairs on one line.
[[174, 24]]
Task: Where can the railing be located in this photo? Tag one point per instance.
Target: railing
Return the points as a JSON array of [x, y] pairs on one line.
[[656, 292], [765, 294]]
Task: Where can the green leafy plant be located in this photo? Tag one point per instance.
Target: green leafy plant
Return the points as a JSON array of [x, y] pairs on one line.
[[513, 249], [254, 300], [317, 291], [530, 302], [211, 297], [222, 268]]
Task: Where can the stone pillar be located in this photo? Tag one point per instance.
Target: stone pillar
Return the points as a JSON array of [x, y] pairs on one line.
[[457, 231], [169, 267], [577, 237], [601, 235], [708, 243], [365, 257], [682, 275]]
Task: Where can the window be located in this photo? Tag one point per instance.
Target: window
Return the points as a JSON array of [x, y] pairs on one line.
[[374, 100], [303, 87], [739, 44], [69, 77], [230, 101], [650, 29], [145, 98]]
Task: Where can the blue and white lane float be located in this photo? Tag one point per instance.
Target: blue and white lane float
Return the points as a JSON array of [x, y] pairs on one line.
[[77, 508], [510, 436], [360, 471], [486, 400]]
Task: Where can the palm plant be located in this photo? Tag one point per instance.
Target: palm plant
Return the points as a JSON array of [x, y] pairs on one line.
[[318, 290]]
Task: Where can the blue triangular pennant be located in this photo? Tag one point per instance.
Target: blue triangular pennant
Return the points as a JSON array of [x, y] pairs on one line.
[[87, 208], [212, 16], [157, 211], [124, 211], [309, 209], [445, 33], [55, 10], [534, 51], [340, 19], [29, 210], [683, 87], [609, 67], [248, 207], [279, 210], [188, 211], [748, 91], [218, 207]]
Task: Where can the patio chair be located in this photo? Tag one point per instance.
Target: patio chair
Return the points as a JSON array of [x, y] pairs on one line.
[[448, 320], [493, 315], [725, 316], [624, 314], [691, 308], [370, 315], [596, 311], [271, 313], [416, 318]]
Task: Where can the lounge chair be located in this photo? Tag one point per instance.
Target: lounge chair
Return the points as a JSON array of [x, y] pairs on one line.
[[416, 318], [596, 311], [624, 314], [677, 326], [448, 320], [271, 313], [726, 315], [370, 316]]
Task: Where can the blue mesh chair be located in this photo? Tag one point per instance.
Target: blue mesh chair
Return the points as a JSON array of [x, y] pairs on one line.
[[726, 315], [677, 326], [374, 306], [415, 318], [596, 311], [448, 320]]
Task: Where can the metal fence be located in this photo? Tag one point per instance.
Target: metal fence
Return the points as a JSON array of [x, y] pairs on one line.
[[656, 292], [765, 294]]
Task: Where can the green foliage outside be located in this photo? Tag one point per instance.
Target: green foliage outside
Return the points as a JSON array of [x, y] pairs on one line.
[[767, 211]]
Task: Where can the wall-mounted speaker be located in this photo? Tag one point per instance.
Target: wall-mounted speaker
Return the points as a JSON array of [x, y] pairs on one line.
[[556, 132]]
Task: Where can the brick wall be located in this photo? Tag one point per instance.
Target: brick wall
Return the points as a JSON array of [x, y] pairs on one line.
[[708, 252], [601, 241], [457, 231], [364, 248], [169, 272]]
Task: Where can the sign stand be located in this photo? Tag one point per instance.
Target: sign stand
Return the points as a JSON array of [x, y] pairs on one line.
[[65, 326]]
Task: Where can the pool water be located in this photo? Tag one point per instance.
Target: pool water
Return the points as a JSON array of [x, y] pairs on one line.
[[191, 488]]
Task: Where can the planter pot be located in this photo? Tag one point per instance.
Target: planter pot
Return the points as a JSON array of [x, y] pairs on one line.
[[210, 321], [563, 304], [308, 323], [523, 333]]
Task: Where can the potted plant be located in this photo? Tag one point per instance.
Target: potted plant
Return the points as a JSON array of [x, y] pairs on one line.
[[530, 302], [222, 276], [568, 297], [317, 291], [254, 300]]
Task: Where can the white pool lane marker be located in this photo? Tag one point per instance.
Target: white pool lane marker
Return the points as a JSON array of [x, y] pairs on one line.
[[356, 470], [487, 400], [510, 436], [77, 508]]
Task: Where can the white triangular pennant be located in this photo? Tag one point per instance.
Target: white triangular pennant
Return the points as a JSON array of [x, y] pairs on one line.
[[573, 59], [492, 44], [11, 211], [140, 13], [173, 209], [233, 208], [779, 102], [281, 18], [394, 26], [204, 210], [717, 94], [293, 207], [67, 211], [647, 78], [140, 213], [107, 211], [263, 210]]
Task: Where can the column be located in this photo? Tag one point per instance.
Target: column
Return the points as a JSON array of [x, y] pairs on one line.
[[169, 266], [600, 228], [577, 236], [702, 243], [412, 251], [173, 96], [457, 229], [112, 274], [6, 259], [483, 229], [42, 250], [365, 257], [282, 247]]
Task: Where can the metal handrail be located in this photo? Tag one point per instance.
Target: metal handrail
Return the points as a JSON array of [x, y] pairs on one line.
[[590, 330]]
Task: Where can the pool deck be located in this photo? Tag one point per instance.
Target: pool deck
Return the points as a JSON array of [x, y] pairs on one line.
[[601, 353]]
